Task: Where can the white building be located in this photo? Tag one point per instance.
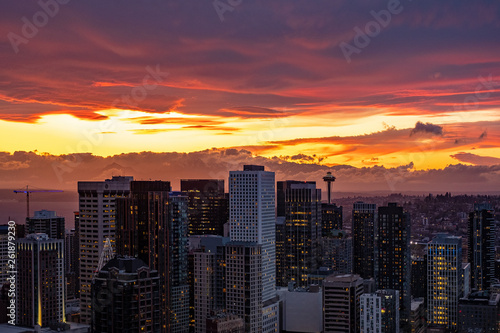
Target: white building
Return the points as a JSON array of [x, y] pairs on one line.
[[444, 276], [97, 222], [371, 313], [379, 312], [252, 219], [302, 309]]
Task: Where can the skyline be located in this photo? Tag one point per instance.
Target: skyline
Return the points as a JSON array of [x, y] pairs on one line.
[[304, 88]]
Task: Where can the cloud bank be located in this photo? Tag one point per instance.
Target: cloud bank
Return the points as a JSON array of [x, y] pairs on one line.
[[63, 172]]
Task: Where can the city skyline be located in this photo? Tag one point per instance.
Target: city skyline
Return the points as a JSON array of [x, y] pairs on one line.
[[301, 82], [235, 275], [250, 166]]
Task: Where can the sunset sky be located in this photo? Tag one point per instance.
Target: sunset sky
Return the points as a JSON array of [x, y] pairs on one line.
[[266, 77]]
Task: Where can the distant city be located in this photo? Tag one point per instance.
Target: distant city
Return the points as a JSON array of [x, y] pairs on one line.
[[264, 256]]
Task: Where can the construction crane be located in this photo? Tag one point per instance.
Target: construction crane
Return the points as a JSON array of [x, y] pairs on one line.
[[28, 191]]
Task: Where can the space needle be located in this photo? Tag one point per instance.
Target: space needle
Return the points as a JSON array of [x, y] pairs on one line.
[[329, 179]]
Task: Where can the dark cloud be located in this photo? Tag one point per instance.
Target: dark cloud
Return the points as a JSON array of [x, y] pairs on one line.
[[302, 157], [427, 128], [283, 54], [252, 112], [476, 159]]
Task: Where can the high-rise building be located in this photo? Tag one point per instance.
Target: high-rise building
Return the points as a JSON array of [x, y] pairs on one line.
[[4, 303], [177, 262], [301, 309], [244, 283], [209, 288], [4, 253], [390, 310], [331, 218], [40, 292], [466, 278], [380, 312], [208, 206], [302, 209], [71, 264], [126, 297], [208, 278], [392, 255], [252, 219], [418, 323], [46, 222], [336, 252], [341, 303], [280, 251], [444, 277], [364, 218], [481, 246], [479, 312], [4, 247], [97, 222], [152, 226], [419, 277], [370, 313]]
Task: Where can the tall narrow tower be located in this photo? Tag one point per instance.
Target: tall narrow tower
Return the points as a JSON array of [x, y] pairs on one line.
[[392, 255], [364, 218], [302, 209], [97, 222], [252, 219], [152, 225], [329, 179], [481, 246], [445, 287], [41, 294]]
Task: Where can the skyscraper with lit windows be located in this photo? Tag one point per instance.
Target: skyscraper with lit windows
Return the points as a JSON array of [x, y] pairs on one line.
[[40, 292], [481, 246], [46, 222], [207, 206], [445, 285], [341, 303], [364, 218], [392, 255], [301, 203], [152, 226]]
